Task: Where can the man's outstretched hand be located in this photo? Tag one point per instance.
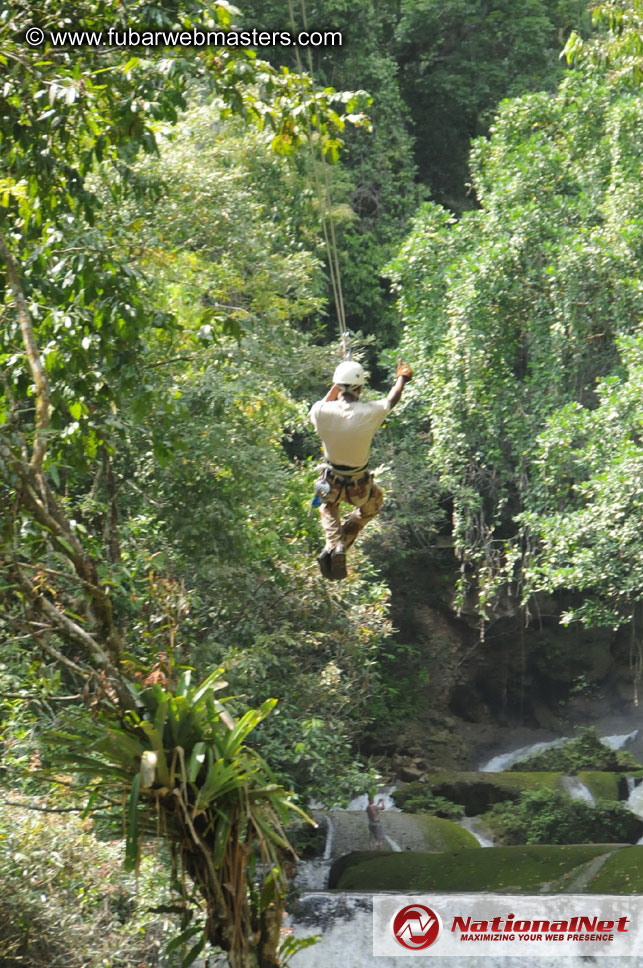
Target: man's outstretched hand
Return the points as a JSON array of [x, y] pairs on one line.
[[404, 370]]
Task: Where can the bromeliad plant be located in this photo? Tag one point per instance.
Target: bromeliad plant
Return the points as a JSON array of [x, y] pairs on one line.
[[181, 769]]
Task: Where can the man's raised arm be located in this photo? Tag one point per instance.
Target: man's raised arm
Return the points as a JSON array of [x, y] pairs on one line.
[[404, 375]]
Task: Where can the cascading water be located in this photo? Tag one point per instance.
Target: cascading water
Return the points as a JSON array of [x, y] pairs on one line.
[[504, 760], [361, 802], [497, 764], [576, 789], [344, 921], [346, 830], [635, 799], [474, 826]]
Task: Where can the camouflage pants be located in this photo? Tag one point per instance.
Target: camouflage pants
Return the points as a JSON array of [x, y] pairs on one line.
[[367, 499]]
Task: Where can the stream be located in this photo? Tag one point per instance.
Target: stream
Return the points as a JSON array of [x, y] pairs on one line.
[[344, 921]]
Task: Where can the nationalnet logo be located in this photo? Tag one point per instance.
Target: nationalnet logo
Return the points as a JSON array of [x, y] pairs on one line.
[[502, 928], [478, 924], [416, 926]]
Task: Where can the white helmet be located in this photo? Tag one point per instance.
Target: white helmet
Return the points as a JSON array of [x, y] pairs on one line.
[[350, 374]]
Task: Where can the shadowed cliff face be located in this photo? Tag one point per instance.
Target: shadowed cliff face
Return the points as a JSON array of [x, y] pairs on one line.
[[466, 697]]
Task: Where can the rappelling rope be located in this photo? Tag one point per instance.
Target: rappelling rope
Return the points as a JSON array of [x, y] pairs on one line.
[[323, 195]]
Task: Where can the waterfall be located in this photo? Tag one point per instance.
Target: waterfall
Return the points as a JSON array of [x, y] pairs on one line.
[[312, 875], [345, 925], [330, 833], [393, 844], [635, 799], [475, 827], [504, 760], [361, 802], [619, 742], [576, 789]]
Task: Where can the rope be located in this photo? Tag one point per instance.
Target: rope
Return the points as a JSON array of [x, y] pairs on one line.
[[323, 196]]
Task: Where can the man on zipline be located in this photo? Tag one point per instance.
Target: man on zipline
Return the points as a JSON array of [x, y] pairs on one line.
[[346, 426]]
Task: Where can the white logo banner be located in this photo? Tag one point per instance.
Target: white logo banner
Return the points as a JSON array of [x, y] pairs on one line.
[[461, 925]]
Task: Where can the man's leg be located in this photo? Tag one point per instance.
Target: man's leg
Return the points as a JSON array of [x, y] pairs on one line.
[[331, 523], [363, 513]]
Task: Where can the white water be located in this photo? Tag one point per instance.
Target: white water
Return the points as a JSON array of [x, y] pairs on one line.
[[504, 760], [576, 789], [619, 742], [312, 875], [393, 844], [361, 802], [345, 923], [328, 849], [635, 799], [475, 827]]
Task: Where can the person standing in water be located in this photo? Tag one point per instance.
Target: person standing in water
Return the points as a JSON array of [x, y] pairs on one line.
[[375, 830]]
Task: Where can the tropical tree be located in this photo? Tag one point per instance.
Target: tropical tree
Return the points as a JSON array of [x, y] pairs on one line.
[[78, 324], [458, 59], [183, 768], [521, 312]]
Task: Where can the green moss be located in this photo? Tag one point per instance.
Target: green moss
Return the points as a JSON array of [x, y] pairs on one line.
[[440, 835], [622, 873], [476, 790], [602, 786], [585, 752], [507, 869], [552, 817], [418, 798], [514, 781]]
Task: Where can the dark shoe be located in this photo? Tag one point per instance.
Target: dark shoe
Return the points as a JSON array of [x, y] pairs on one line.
[[324, 562], [338, 563]]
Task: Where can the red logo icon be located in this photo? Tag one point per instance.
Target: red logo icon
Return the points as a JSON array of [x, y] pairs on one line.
[[416, 926]]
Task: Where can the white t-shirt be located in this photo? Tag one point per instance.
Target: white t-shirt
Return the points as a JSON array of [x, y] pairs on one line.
[[347, 428]]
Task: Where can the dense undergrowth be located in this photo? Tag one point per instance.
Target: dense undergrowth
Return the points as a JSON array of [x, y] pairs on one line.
[[66, 901], [166, 325]]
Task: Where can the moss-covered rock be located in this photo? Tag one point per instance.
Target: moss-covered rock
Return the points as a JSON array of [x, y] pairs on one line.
[[621, 873], [585, 752], [604, 786], [440, 834], [477, 791], [417, 797], [550, 817], [502, 869]]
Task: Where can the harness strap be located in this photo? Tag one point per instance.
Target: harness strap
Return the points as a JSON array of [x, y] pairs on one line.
[[345, 469], [357, 477]]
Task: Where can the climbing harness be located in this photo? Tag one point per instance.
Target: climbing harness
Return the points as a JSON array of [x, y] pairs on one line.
[[347, 477], [323, 196]]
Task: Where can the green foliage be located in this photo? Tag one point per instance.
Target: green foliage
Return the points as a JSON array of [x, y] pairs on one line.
[[586, 752], [550, 817], [64, 899], [184, 771], [373, 189], [589, 473], [618, 45], [459, 59], [94, 113], [415, 798], [201, 522], [523, 317], [227, 510]]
